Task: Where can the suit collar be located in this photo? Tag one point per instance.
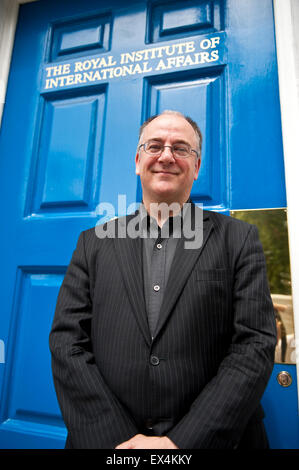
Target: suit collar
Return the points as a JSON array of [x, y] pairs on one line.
[[129, 255]]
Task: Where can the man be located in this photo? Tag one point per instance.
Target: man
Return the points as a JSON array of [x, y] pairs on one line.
[[155, 345]]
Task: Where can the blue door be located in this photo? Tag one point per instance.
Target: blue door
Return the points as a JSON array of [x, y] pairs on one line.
[[84, 76]]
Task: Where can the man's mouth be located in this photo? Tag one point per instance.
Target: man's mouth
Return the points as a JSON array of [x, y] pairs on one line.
[[165, 172]]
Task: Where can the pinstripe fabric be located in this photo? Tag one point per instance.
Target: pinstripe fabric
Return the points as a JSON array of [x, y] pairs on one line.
[[215, 342]]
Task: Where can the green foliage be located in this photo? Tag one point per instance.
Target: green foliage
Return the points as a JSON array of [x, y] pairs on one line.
[[273, 232]]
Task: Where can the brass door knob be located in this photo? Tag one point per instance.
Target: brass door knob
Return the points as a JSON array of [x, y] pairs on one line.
[[284, 379]]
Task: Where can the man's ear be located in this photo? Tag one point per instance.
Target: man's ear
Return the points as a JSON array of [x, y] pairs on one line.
[[137, 164], [197, 167]]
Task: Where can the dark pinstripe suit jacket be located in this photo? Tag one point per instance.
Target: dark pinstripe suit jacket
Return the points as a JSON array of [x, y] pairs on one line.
[[215, 342]]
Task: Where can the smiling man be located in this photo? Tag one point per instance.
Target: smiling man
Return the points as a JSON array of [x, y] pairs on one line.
[[156, 346], [166, 177]]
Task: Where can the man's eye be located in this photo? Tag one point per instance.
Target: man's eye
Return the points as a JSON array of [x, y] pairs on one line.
[[180, 149], [154, 147]]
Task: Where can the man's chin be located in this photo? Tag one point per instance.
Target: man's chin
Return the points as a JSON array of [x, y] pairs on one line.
[[166, 193]]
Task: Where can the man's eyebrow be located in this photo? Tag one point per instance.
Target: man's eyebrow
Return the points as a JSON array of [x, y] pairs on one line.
[[157, 139], [179, 141]]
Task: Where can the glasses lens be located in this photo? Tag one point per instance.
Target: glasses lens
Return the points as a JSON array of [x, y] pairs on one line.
[[180, 150], [153, 148]]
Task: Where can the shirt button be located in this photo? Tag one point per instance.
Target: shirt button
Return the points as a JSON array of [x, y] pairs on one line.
[[156, 288], [149, 423], [159, 246], [155, 361]]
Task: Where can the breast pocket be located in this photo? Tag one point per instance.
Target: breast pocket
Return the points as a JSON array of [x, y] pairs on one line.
[[216, 275], [214, 297]]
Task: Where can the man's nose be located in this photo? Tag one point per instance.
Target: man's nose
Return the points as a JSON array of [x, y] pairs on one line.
[[166, 155]]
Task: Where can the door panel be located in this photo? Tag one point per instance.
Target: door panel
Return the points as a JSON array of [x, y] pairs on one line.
[[206, 90], [84, 76], [66, 170]]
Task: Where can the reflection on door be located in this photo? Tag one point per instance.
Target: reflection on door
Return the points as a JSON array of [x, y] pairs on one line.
[[273, 231]]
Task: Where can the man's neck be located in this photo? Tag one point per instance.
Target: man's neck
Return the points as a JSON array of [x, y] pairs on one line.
[[162, 210]]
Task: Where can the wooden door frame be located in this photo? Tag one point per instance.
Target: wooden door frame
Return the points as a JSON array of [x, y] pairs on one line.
[[286, 16]]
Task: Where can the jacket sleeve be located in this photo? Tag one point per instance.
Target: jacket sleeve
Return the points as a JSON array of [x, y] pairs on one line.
[[219, 415], [93, 415]]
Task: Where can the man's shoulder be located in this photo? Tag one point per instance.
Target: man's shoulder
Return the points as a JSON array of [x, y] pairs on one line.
[[227, 222], [106, 229]]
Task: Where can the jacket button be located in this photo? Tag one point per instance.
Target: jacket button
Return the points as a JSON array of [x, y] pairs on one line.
[[154, 360]]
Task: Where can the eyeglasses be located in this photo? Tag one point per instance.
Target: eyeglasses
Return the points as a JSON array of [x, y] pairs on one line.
[[155, 149]]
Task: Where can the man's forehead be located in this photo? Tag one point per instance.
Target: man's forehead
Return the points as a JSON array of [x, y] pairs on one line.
[[165, 123]]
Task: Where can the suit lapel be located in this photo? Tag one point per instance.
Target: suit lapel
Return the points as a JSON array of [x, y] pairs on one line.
[[181, 268], [129, 255]]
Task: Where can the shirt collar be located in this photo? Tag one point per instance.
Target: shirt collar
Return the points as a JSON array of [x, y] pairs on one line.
[[171, 228]]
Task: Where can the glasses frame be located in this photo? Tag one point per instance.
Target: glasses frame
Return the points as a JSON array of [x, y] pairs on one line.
[[156, 155]]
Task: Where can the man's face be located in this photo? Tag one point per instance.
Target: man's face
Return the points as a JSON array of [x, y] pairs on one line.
[[165, 178]]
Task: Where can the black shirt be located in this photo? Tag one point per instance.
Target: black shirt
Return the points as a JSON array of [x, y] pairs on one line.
[[158, 249]]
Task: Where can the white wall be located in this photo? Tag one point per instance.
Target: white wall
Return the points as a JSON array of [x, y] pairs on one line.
[[8, 20], [287, 42]]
